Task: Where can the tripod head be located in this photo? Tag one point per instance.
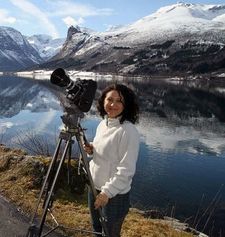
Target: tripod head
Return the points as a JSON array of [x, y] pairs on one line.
[[72, 114]]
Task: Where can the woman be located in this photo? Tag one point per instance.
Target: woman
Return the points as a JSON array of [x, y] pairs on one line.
[[115, 152]]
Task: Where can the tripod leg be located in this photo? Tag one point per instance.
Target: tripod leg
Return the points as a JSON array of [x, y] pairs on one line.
[[69, 165], [33, 229], [93, 190], [53, 186]]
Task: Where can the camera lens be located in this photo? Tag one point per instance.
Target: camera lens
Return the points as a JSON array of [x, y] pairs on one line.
[[59, 77]]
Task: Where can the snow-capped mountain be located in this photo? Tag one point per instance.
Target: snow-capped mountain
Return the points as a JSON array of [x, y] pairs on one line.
[[181, 37], [46, 46], [15, 51], [179, 18]]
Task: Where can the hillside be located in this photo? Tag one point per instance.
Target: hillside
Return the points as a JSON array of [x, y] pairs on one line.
[[21, 176]]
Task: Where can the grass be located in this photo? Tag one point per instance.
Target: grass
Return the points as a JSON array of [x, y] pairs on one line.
[[21, 177]]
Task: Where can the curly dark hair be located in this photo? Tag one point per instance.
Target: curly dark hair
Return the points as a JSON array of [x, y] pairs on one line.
[[131, 108]]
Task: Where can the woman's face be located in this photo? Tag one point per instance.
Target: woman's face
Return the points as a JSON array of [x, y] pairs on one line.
[[113, 104]]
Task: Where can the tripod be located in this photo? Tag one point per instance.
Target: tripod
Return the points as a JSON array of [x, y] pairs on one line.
[[72, 130]]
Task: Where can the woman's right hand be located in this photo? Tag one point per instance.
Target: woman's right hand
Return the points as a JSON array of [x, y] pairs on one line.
[[88, 147]]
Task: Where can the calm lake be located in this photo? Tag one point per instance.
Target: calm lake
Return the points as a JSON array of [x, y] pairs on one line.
[[181, 166]]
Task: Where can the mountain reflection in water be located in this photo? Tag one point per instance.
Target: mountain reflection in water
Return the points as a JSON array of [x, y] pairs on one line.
[[182, 154]]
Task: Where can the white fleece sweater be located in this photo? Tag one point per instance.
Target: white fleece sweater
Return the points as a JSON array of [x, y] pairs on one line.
[[115, 155]]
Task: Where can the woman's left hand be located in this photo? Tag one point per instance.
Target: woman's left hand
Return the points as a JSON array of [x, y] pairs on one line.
[[101, 200]]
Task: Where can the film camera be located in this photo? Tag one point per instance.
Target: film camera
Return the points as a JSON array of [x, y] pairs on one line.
[[79, 92]]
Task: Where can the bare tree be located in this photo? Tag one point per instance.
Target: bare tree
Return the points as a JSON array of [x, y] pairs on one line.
[[33, 142]]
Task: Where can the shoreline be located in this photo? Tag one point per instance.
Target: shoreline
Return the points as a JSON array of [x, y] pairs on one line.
[[14, 161]]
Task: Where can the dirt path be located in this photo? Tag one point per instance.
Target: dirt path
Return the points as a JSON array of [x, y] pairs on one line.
[[12, 222]]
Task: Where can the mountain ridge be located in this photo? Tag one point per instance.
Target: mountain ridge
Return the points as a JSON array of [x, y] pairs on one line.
[[180, 38], [15, 51]]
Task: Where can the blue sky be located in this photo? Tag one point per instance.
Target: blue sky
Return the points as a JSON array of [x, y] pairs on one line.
[[53, 17]]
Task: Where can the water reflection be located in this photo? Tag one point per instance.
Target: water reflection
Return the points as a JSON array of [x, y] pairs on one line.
[[18, 94], [182, 138], [203, 137]]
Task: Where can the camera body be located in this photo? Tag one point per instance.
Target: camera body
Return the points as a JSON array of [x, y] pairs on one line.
[[79, 92]]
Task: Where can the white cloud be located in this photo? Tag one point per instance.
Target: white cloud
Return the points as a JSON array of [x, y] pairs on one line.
[[65, 8], [34, 11], [71, 21], [4, 126], [5, 18], [42, 124], [164, 136], [70, 11]]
